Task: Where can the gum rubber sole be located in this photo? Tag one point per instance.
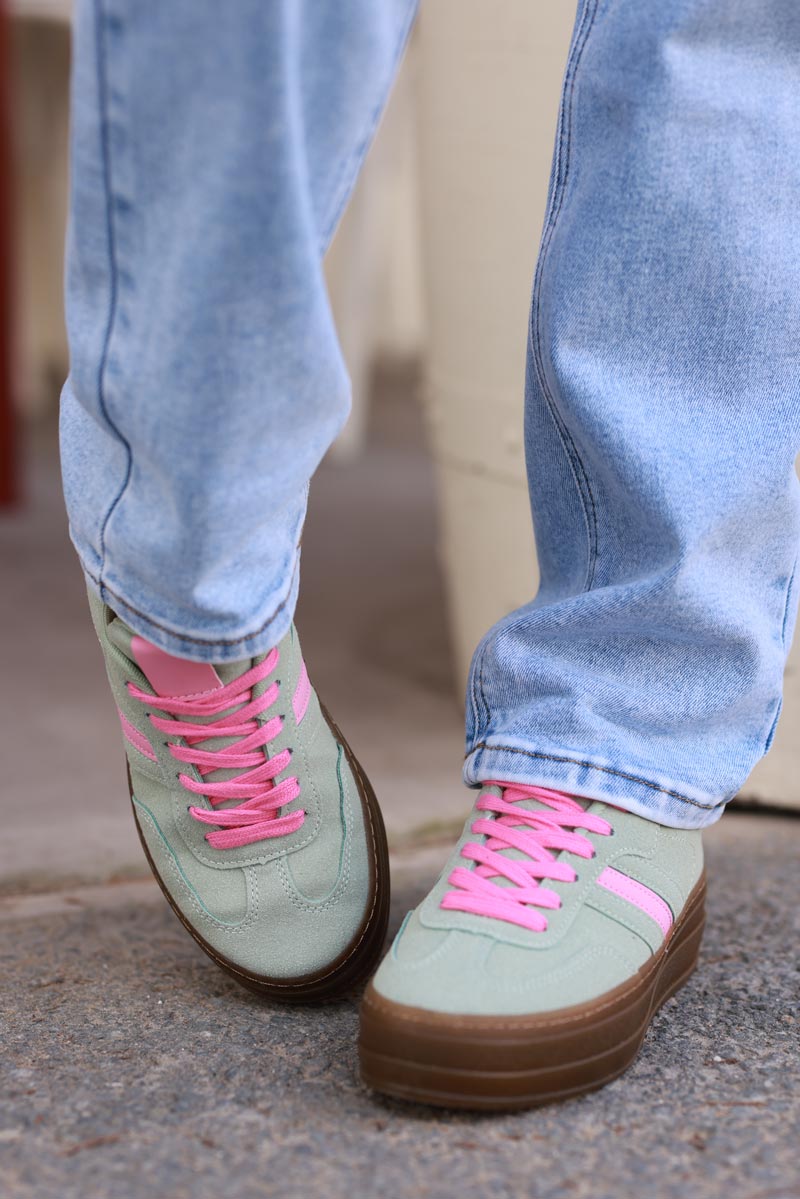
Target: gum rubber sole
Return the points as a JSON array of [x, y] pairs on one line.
[[503, 1063], [359, 959]]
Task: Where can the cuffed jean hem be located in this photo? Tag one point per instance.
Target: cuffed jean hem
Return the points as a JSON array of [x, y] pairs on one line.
[[657, 800], [196, 645]]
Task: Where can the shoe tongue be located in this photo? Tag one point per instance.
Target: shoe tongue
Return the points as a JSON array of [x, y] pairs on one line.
[[170, 676], [532, 804]]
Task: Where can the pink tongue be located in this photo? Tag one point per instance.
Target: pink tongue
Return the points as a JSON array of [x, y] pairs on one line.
[[170, 676]]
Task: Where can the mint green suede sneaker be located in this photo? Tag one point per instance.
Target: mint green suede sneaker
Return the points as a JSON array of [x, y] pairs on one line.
[[255, 817], [531, 972]]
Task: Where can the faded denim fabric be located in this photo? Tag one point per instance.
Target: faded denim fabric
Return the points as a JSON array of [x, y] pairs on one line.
[[662, 418], [213, 149]]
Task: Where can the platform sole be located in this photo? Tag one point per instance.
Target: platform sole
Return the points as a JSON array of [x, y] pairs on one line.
[[505, 1063], [359, 959]]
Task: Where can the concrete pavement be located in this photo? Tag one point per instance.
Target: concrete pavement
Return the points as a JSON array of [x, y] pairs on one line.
[[132, 1068]]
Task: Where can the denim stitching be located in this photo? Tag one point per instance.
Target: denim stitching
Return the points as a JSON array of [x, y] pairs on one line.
[[342, 187], [470, 698], [105, 144], [787, 602], [559, 191], [563, 145], [106, 590], [632, 778], [487, 716]]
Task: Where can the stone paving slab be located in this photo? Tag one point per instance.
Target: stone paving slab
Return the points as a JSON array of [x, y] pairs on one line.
[[132, 1068]]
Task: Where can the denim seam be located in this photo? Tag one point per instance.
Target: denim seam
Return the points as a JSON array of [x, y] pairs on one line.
[[561, 175], [106, 590], [339, 193], [105, 141], [786, 604], [588, 765], [482, 689], [774, 724]]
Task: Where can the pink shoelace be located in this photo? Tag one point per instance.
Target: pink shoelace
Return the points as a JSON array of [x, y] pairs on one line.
[[256, 818], [543, 833]]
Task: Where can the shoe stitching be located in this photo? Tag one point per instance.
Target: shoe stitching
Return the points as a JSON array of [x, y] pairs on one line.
[[217, 641], [365, 805], [331, 901], [378, 1002], [607, 854], [194, 902], [232, 969], [353, 763], [598, 904]]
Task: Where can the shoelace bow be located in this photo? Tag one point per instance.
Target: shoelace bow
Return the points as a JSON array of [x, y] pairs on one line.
[[256, 818], [544, 833]]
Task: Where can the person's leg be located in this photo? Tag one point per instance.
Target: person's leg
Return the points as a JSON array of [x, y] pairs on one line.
[[662, 419], [213, 149], [214, 146], [615, 714]]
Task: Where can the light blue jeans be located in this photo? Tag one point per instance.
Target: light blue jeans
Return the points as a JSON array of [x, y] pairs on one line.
[[214, 146]]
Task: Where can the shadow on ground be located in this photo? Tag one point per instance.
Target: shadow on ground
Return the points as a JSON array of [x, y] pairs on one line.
[[134, 1068]]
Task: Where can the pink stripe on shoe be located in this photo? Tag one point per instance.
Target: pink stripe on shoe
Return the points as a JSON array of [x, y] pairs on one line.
[[639, 895], [137, 739], [301, 695]]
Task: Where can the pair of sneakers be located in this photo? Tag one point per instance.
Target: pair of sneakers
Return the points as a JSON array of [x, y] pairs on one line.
[[528, 974]]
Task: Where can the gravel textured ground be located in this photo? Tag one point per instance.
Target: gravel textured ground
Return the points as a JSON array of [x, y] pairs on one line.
[[131, 1067]]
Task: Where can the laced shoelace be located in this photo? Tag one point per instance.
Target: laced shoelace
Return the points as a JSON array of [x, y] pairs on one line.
[[539, 834], [256, 818]]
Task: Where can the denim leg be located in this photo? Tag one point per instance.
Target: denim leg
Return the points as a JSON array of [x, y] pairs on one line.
[[213, 149], [662, 418]]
